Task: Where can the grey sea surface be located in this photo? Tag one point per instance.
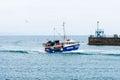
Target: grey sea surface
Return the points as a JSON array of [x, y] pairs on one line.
[[23, 58]]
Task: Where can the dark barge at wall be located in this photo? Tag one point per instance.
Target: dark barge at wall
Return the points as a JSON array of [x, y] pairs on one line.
[[100, 39]]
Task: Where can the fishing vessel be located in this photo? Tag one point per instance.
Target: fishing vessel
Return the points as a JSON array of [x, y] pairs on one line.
[[64, 45]]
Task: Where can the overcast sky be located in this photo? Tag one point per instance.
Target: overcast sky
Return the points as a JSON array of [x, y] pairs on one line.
[[39, 17]]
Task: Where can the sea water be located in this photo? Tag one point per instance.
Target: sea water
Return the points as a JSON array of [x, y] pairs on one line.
[[23, 58]]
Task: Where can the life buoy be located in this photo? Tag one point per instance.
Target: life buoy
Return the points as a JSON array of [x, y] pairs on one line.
[[58, 46]]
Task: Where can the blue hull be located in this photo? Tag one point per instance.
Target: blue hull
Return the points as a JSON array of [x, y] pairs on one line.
[[65, 49]]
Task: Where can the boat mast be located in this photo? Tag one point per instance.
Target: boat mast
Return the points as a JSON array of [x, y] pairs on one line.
[[54, 33], [64, 36]]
